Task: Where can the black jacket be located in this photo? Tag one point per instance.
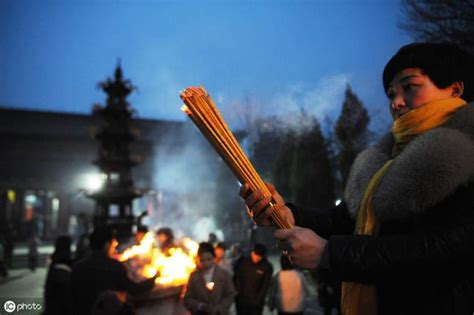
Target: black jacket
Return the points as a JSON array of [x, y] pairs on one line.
[[96, 274], [57, 297], [252, 281], [422, 255]]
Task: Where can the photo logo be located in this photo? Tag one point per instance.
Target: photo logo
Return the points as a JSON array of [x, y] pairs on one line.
[[9, 306]]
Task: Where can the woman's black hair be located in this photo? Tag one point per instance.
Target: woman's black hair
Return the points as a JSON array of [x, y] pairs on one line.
[[206, 247], [443, 63], [100, 237]]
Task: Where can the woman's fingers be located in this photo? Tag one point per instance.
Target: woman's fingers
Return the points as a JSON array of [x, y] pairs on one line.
[[258, 205], [244, 191]]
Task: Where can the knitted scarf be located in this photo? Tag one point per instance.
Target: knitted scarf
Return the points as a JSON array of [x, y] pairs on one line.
[[358, 298]]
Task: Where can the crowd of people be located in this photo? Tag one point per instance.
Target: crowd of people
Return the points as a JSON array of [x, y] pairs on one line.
[[95, 283]]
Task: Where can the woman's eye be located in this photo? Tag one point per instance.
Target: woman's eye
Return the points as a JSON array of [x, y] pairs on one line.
[[408, 87]]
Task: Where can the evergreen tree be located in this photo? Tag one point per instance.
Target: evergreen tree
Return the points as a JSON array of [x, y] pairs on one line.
[[302, 169], [265, 146], [283, 164], [311, 178], [351, 132]]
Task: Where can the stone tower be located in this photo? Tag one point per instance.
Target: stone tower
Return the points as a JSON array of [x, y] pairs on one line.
[[114, 199]]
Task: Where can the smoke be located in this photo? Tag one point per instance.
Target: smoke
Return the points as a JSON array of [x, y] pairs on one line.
[[185, 176], [294, 106]]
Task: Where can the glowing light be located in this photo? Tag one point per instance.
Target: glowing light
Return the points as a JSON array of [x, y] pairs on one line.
[[11, 196], [30, 199], [210, 285], [94, 182], [174, 266], [55, 205], [338, 201]]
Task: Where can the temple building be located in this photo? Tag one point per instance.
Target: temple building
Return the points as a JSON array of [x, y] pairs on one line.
[[64, 173]]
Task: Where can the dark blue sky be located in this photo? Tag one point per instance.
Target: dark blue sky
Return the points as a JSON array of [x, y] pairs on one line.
[[280, 55]]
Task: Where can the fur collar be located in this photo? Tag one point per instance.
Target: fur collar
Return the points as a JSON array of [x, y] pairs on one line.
[[429, 169]]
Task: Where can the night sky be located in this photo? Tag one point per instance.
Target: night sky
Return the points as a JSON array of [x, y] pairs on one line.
[[280, 55]]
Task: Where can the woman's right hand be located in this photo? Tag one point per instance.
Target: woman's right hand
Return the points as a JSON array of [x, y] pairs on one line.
[[257, 205]]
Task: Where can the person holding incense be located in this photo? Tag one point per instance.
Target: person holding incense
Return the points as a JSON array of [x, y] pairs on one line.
[[402, 241]]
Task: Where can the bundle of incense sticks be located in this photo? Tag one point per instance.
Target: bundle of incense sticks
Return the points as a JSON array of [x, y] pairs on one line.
[[202, 111]]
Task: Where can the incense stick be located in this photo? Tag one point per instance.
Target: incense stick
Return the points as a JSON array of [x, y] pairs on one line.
[[202, 111]]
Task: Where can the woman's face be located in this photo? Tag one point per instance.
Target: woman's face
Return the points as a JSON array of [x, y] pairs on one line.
[[411, 89], [220, 252], [205, 260]]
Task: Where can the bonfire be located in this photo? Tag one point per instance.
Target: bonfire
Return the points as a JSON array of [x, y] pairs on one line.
[[174, 266]]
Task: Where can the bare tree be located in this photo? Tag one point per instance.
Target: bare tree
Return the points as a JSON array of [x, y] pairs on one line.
[[439, 21]]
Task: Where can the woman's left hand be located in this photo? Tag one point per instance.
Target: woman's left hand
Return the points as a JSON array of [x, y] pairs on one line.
[[304, 246]]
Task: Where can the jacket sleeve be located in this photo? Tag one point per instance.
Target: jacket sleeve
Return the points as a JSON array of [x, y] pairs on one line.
[[190, 300], [325, 222], [228, 295], [266, 281], [365, 258]]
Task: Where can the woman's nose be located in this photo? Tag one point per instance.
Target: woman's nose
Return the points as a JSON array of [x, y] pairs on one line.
[[398, 102]]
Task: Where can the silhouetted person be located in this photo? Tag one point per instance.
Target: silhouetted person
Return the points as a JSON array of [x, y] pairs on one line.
[[288, 291], [212, 239], [3, 269], [329, 291], [57, 296], [252, 277], [82, 248], [222, 259], [32, 242], [8, 244], [98, 274], [235, 254]]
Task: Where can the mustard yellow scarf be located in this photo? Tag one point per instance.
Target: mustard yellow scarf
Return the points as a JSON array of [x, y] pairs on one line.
[[358, 298]]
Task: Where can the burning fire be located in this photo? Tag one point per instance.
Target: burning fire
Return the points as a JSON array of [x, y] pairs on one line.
[[174, 266]]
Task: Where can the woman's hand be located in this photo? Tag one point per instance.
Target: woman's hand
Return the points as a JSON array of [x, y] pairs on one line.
[[258, 206], [304, 246]]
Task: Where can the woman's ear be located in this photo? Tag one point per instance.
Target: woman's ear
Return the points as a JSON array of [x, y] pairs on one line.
[[457, 88]]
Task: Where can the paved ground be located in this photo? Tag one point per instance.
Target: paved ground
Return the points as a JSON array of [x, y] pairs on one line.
[[24, 286]]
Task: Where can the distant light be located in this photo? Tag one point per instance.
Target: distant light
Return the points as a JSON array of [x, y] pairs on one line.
[[338, 201], [11, 196], [55, 205], [94, 182], [31, 199]]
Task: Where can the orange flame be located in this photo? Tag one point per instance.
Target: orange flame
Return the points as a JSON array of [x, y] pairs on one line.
[[174, 266]]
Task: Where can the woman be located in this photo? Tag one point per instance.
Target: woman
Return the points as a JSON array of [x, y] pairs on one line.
[[409, 199], [210, 289]]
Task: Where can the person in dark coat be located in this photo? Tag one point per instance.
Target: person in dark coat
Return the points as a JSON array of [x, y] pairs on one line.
[[57, 297], [98, 273], [252, 278], [210, 290], [403, 239]]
